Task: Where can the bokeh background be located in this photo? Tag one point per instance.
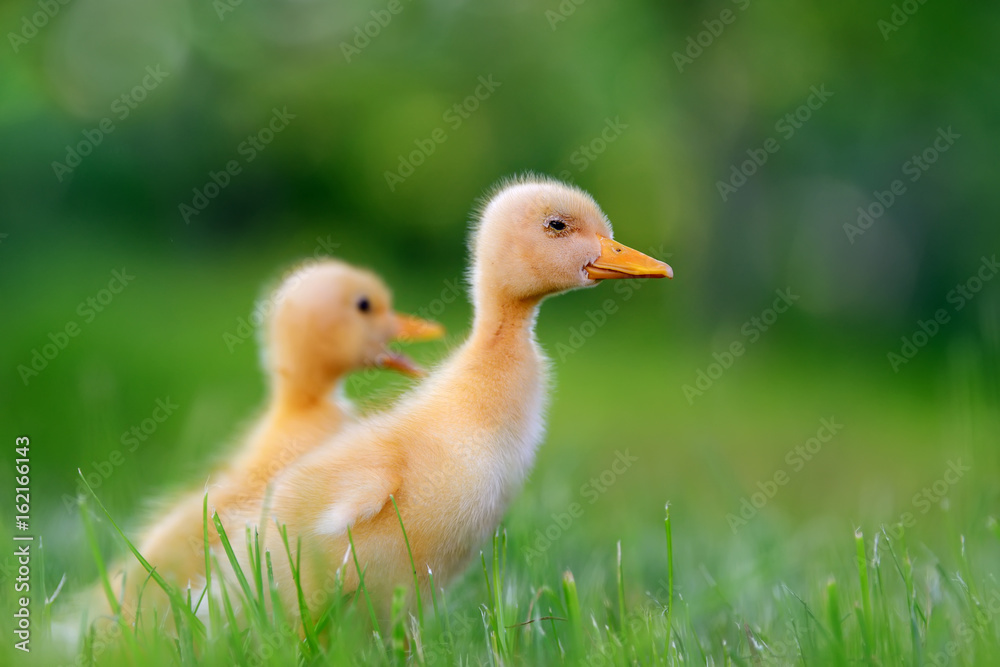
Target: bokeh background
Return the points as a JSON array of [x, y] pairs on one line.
[[592, 92]]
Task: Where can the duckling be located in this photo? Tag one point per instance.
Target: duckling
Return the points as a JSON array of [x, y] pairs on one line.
[[329, 319], [453, 452]]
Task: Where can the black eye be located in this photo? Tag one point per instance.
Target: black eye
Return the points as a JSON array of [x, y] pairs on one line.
[[555, 224], [364, 305]]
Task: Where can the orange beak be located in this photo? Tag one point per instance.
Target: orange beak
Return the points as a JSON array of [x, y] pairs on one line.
[[396, 361], [409, 329], [619, 261], [415, 330]]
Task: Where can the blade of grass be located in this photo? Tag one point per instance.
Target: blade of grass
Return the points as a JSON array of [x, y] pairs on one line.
[[241, 578], [253, 548], [413, 566], [621, 595], [213, 612], [670, 583], [866, 600], [361, 585], [277, 608], [295, 564], [434, 602], [885, 629], [328, 615], [174, 596], [809, 614], [835, 621], [398, 625], [227, 608], [95, 550], [489, 614], [498, 592], [905, 568], [572, 601]]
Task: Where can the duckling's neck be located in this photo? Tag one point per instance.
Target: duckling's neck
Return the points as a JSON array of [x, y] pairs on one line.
[[504, 322], [500, 373], [485, 413], [295, 422], [303, 391]]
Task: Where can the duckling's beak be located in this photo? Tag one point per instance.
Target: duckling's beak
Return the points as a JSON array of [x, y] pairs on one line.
[[396, 361], [411, 329], [620, 261]]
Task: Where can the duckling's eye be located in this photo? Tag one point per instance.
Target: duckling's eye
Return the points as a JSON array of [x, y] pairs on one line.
[[555, 225], [364, 305]]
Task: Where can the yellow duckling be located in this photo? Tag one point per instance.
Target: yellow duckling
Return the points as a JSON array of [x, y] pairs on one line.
[[454, 451], [329, 319]]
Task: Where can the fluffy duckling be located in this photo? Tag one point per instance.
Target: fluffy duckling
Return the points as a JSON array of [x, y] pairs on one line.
[[328, 319], [454, 451]]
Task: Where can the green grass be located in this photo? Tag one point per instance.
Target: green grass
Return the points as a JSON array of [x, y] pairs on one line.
[[821, 574], [883, 602]]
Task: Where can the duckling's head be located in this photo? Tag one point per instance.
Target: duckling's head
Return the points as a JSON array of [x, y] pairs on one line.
[[330, 318], [537, 236]]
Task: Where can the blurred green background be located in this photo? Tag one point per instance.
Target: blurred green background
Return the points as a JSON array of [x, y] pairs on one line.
[[619, 98]]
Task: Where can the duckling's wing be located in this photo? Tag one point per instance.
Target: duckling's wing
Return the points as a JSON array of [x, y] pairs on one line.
[[357, 495]]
